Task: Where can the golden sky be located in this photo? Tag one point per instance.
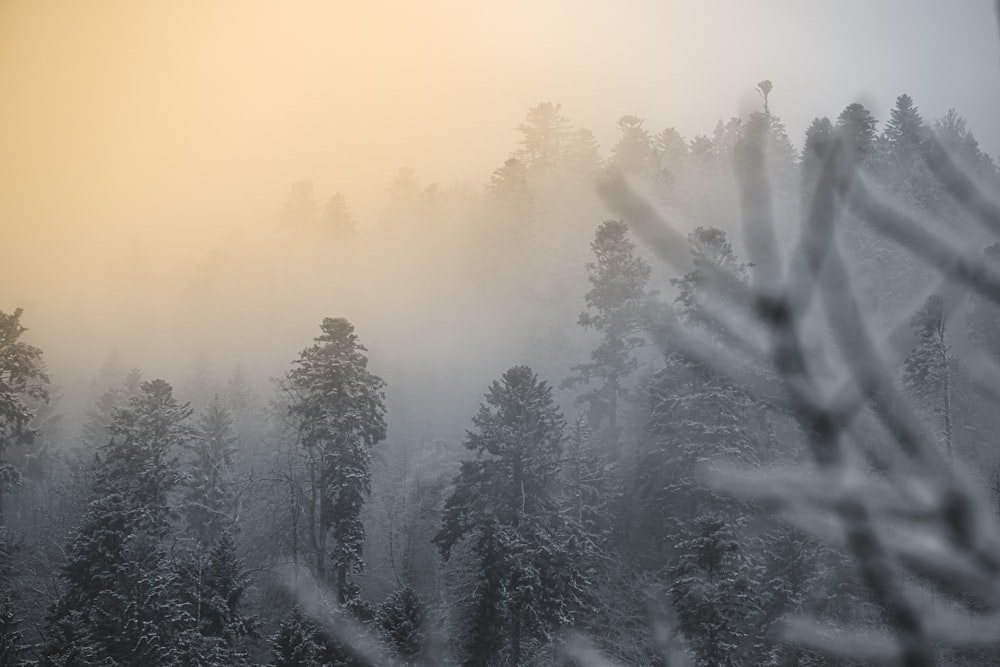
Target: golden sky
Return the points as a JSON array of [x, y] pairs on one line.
[[154, 129]]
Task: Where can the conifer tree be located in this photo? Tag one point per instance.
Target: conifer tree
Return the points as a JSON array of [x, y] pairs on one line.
[[402, 620], [929, 368], [22, 381], [214, 584], [618, 305], [856, 126], [544, 135], [294, 644], [121, 604], [208, 503], [529, 580], [634, 153], [818, 137], [339, 408]]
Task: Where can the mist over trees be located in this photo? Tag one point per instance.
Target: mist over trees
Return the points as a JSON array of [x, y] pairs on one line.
[[516, 467]]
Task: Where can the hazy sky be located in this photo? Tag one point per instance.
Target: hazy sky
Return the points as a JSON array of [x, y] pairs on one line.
[[151, 127]]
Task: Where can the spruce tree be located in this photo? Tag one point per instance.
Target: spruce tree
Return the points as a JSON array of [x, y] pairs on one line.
[[208, 504], [929, 369], [678, 527], [402, 621], [22, 382], [122, 602], [339, 408], [529, 578], [634, 154], [856, 127], [618, 308], [544, 135]]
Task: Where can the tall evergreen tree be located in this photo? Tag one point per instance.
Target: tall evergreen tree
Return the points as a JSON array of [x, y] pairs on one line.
[[122, 603], [856, 126], [529, 581], [819, 136], [929, 368], [214, 584], [902, 147], [402, 619], [544, 135], [618, 308], [582, 157], [22, 382], [339, 407], [714, 567], [337, 220], [208, 504], [634, 153], [904, 132]]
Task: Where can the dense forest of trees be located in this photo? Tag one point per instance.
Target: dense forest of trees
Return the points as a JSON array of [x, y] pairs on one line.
[[337, 517]]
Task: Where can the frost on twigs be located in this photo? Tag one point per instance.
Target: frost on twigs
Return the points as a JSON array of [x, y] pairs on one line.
[[879, 485]]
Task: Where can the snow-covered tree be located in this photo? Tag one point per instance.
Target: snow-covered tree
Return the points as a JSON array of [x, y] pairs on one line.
[[504, 502], [22, 381], [618, 305], [208, 504], [402, 620], [339, 409], [930, 367], [122, 600]]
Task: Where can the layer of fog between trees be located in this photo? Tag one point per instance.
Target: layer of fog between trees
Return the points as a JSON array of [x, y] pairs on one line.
[[455, 288]]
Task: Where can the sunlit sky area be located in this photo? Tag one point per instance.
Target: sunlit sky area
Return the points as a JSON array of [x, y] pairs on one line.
[[166, 126]]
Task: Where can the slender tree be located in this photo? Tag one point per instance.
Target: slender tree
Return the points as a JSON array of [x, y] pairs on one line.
[[618, 304], [208, 504], [929, 368], [339, 408]]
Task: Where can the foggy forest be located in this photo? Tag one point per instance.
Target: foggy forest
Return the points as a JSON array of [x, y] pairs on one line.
[[641, 395]]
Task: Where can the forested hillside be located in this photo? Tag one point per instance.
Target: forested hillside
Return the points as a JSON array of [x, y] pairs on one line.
[[712, 400]]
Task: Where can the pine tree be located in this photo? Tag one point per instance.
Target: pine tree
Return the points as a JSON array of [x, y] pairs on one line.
[[22, 382], [402, 620], [339, 407], [213, 588], [581, 156], [294, 644], [819, 136], [634, 153], [856, 127], [618, 305], [337, 219], [902, 146], [543, 140], [121, 604], [529, 580], [715, 592], [929, 368], [696, 536], [671, 158], [589, 483], [904, 132], [209, 505]]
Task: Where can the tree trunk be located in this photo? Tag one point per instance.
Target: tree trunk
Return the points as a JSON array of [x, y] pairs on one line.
[[342, 584]]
